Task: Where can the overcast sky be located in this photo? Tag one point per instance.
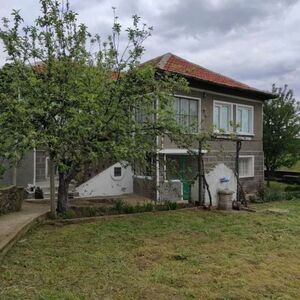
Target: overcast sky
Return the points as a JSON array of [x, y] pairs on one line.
[[254, 41]]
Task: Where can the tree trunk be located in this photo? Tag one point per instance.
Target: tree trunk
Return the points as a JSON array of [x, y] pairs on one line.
[[52, 188], [63, 189]]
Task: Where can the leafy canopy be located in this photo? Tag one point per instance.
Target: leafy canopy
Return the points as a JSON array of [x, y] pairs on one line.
[[80, 94], [281, 129]]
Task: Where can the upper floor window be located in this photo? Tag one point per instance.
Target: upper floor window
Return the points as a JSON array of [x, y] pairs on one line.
[[222, 116], [244, 119], [187, 113]]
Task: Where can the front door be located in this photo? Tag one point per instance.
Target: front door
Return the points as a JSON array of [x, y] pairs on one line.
[[183, 174]]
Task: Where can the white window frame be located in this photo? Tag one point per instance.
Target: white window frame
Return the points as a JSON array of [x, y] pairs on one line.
[[251, 171], [199, 108], [252, 118], [230, 104]]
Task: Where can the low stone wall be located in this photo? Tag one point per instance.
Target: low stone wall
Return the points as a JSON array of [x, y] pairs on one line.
[[171, 190], [11, 199]]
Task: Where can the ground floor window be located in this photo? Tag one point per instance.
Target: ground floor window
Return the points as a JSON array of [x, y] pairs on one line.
[[246, 166]]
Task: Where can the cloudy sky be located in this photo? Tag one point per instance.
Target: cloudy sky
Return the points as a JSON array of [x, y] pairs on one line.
[[256, 42]]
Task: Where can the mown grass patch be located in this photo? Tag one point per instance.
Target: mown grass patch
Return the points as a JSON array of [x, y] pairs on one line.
[[169, 255]]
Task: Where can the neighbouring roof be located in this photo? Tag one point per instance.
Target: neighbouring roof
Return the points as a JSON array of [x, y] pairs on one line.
[[175, 64]]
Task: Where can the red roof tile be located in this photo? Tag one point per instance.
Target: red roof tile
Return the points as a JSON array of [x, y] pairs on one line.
[[172, 63]]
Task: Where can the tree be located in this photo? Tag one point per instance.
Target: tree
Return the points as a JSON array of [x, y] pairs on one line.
[[82, 102], [281, 130], [15, 130]]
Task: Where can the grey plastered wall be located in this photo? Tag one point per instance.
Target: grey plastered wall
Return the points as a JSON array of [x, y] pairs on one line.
[[41, 165], [25, 171], [206, 120], [7, 178], [144, 187]]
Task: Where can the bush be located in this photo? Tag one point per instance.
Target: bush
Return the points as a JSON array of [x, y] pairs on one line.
[[69, 214], [295, 188], [267, 195], [172, 205], [119, 206], [148, 207]]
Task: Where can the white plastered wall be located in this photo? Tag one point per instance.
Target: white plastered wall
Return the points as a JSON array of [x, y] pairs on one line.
[[106, 184], [214, 181]]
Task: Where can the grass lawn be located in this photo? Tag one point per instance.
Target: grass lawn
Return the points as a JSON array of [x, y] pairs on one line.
[[170, 255], [295, 168]]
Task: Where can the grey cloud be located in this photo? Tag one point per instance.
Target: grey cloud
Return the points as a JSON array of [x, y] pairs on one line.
[[196, 17], [254, 41]]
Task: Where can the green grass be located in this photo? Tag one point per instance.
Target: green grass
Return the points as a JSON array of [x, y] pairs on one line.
[[295, 168], [279, 186], [168, 255]]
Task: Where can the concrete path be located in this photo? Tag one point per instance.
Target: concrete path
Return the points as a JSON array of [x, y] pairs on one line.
[[14, 225]]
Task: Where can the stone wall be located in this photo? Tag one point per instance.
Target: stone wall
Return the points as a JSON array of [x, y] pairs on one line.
[[170, 190], [11, 199]]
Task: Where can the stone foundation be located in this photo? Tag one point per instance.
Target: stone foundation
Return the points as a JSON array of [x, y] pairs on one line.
[[11, 199]]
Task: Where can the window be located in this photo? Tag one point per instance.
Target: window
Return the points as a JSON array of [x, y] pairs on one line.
[[244, 119], [222, 116], [246, 166], [117, 172], [186, 111]]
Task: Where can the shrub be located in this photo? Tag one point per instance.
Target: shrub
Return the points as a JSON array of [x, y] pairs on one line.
[[148, 207], [69, 214], [172, 205], [129, 209], [268, 195], [119, 206], [295, 188]]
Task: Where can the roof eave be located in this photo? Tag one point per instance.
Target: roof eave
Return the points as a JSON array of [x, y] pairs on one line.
[[261, 95]]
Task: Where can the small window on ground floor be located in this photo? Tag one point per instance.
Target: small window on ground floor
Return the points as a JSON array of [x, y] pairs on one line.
[[246, 166], [117, 171]]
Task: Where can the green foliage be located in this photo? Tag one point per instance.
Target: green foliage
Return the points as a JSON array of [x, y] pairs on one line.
[[294, 188], [80, 93], [281, 130], [172, 205], [119, 206], [277, 193]]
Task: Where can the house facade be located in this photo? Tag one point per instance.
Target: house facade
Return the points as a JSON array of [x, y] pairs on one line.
[[226, 108], [214, 103]]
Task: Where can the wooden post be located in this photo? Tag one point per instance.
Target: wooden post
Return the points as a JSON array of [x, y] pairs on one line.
[[52, 188]]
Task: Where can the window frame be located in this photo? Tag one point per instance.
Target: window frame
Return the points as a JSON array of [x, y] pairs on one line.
[[199, 117], [119, 169], [230, 104], [251, 173], [251, 107]]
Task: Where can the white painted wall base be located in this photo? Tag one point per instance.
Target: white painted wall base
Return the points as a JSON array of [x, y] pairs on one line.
[[214, 181], [106, 184]]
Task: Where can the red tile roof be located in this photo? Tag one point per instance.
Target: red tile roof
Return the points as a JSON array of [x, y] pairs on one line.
[[172, 63]]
